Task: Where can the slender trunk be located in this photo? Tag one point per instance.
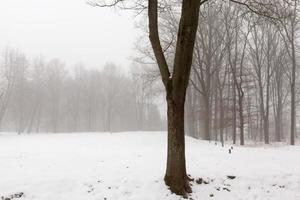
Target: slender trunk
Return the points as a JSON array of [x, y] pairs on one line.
[[241, 115], [227, 109], [266, 117], [278, 120], [221, 118], [234, 114], [206, 134], [260, 128], [266, 130], [37, 129], [293, 98], [215, 125], [190, 121], [249, 120], [32, 118]]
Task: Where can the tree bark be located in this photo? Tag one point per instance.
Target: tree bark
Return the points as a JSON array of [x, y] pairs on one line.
[[176, 176]]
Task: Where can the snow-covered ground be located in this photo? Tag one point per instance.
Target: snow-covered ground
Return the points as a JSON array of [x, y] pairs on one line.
[[130, 166]]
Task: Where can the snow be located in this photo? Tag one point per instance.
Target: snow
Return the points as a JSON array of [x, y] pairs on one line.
[[130, 166]]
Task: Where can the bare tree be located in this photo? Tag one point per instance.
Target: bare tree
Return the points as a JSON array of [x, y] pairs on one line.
[[288, 27], [8, 79]]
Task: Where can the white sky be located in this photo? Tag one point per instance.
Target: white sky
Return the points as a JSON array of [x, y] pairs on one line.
[[68, 29]]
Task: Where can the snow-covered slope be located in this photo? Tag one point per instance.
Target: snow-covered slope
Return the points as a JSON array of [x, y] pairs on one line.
[[125, 166]]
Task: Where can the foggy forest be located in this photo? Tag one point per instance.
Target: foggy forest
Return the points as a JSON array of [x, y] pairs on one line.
[[207, 108], [41, 96]]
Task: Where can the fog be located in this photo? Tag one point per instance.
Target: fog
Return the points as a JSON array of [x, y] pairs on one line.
[[71, 66], [68, 29], [55, 51], [42, 96]]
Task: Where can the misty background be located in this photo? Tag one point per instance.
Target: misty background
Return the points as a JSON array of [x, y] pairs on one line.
[[61, 70], [67, 66]]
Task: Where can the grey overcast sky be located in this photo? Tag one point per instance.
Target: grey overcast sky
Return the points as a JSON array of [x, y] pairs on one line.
[[67, 29]]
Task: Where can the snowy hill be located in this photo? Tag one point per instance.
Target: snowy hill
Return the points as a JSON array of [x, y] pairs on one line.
[[130, 166]]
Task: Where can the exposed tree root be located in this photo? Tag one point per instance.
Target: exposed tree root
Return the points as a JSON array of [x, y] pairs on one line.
[[179, 187]]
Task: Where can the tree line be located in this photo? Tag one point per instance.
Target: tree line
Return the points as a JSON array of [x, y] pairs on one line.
[[242, 83], [44, 96], [243, 76]]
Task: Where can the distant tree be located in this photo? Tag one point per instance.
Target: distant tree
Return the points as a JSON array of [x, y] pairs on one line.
[[56, 73], [8, 79]]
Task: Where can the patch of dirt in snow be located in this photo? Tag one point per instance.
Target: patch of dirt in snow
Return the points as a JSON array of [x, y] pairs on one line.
[[13, 196]]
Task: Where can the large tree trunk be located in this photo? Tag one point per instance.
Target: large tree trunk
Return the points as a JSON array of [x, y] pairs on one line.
[[176, 177]]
